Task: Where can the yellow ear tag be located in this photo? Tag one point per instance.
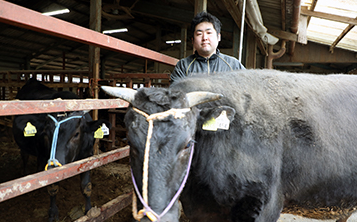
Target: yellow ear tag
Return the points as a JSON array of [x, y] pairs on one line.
[[99, 133], [30, 130], [210, 125]]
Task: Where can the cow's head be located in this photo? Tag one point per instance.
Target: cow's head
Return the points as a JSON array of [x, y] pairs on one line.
[[160, 154], [75, 136]]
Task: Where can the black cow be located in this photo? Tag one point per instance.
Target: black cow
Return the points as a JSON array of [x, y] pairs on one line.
[[291, 142], [75, 137]]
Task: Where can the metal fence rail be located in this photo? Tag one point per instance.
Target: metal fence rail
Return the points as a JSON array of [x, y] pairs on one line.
[[21, 107], [22, 17], [35, 181]]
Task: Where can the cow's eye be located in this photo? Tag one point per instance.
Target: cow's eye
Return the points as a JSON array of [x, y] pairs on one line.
[[189, 144], [76, 135]]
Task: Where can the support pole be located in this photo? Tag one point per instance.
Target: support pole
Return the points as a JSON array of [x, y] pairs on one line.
[[94, 57], [241, 32], [183, 42], [200, 5]]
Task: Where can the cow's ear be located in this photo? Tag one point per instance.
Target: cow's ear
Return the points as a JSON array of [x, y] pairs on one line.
[[214, 112], [94, 125]]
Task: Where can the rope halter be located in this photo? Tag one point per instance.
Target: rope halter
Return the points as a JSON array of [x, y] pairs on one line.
[[177, 114], [52, 161]]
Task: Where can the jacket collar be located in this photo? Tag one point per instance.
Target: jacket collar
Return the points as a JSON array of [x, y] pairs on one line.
[[214, 56]]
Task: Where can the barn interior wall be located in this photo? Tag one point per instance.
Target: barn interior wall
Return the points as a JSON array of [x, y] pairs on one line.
[[318, 53]]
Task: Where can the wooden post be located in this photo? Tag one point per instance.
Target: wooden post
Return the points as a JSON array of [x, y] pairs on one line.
[[200, 5], [183, 42], [147, 82], [251, 50], [94, 56], [63, 60], [235, 41], [11, 96]]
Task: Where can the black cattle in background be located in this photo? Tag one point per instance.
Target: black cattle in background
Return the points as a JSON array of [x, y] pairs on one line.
[[75, 138], [291, 142]]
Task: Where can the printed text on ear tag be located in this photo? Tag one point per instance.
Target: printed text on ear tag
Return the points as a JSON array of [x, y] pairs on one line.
[[99, 133], [222, 121], [105, 129], [30, 130]]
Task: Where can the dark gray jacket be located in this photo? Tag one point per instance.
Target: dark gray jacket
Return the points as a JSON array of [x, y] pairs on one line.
[[197, 64]]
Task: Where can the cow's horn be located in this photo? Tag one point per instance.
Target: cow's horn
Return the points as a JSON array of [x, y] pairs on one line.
[[199, 97], [126, 94]]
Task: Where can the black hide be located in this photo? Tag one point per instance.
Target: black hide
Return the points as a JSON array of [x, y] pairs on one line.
[[291, 142], [75, 138]]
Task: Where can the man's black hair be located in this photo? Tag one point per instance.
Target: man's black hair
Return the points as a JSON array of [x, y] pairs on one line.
[[205, 17]]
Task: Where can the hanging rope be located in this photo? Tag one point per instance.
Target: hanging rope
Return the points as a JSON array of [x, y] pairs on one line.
[[178, 114], [52, 161]]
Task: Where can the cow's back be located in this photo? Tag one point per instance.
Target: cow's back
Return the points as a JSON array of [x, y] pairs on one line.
[[34, 90]]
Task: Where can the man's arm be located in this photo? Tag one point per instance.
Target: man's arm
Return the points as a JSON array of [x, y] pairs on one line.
[[179, 71]]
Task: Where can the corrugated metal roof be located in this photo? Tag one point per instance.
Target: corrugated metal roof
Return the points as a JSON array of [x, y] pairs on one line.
[[326, 31]]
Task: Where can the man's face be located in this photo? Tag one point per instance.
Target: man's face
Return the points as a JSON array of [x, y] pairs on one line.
[[205, 39]]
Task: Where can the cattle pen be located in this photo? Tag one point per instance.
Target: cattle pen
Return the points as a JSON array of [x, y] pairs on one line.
[[12, 81]]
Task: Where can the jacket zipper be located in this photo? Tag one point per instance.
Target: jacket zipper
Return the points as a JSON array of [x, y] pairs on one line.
[[208, 66]]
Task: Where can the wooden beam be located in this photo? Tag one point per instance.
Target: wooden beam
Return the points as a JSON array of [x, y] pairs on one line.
[[316, 53], [234, 11], [340, 37], [302, 35], [322, 15], [200, 5], [283, 35], [312, 8], [110, 208]]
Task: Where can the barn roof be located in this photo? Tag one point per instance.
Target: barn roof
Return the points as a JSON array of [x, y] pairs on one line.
[[151, 23], [333, 23]]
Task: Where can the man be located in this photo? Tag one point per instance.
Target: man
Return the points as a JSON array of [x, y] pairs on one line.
[[207, 58]]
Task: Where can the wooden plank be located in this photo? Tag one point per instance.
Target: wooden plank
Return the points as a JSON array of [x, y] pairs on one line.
[[109, 209], [32, 182], [302, 36], [233, 11], [340, 37], [22, 17], [283, 34], [323, 15], [17, 107]]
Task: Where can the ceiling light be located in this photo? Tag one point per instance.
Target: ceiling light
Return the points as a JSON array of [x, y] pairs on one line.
[[57, 12], [173, 41], [115, 31]]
